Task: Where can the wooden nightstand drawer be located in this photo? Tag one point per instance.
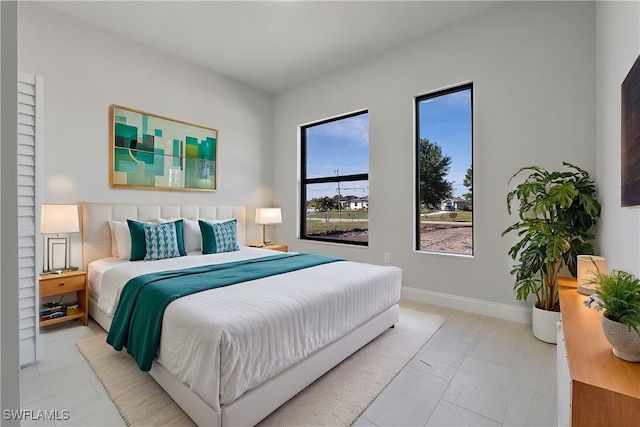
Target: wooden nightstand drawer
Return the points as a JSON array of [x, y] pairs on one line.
[[61, 285]]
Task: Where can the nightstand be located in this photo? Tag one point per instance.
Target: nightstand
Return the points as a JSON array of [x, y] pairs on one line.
[[276, 247], [63, 283]]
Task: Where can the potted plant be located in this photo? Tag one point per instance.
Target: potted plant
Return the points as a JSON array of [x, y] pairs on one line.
[[618, 296], [556, 211]]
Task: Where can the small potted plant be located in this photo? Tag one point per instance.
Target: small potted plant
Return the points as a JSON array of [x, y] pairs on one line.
[[556, 213], [618, 296]]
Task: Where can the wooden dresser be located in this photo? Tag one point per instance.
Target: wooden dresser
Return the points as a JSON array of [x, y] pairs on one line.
[[602, 390]]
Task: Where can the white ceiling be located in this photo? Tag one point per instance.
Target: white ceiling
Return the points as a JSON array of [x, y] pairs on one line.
[[272, 45]]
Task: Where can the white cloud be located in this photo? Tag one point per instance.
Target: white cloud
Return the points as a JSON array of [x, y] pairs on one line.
[[354, 128]]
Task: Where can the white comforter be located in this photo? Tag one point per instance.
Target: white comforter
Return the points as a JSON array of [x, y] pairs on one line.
[[225, 341]]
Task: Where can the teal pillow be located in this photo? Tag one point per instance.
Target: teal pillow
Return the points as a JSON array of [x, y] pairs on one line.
[[219, 237], [161, 241], [139, 245]]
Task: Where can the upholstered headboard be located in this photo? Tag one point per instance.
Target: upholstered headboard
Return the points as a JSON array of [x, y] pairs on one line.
[[96, 235]]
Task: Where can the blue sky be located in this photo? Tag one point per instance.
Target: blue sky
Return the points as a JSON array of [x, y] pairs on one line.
[[446, 120], [343, 145]]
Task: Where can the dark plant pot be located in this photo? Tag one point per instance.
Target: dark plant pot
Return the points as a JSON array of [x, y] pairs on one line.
[[625, 341]]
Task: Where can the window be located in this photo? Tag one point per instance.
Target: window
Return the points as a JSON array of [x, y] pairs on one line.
[[335, 180], [444, 171]]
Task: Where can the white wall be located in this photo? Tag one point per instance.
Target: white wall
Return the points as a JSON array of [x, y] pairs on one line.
[[618, 46], [86, 69], [532, 65], [9, 330]]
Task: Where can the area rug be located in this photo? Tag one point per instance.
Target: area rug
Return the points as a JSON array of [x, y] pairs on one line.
[[337, 398]]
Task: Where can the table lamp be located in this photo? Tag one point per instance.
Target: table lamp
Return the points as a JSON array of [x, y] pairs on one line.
[[267, 216], [588, 267], [54, 221]]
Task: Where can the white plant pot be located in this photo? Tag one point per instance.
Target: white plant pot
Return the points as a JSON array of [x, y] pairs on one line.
[[625, 341], [543, 324]]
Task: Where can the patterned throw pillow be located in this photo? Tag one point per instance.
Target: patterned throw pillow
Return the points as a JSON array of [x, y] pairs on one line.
[[138, 241], [219, 236], [161, 241]]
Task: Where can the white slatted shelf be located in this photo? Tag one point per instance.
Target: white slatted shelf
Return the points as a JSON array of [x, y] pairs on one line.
[[29, 91]]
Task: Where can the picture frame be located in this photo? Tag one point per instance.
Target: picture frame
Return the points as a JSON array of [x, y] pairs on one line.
[[630, 136], [152, 152]]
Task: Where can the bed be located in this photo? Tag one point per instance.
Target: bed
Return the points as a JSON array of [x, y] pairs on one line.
[[232, 355]]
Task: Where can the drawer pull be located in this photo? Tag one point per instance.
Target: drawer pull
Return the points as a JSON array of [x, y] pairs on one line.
[[61, 284]]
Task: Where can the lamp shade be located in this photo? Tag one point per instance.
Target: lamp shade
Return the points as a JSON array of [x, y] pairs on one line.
[[56, 219], [588, 267], [268, 216]]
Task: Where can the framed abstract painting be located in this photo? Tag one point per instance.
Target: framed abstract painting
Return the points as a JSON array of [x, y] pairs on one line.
[[630, 155], [148, 151]]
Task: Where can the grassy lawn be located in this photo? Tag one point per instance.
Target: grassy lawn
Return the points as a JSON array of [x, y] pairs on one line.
[[319, 228], [462, 216], [345, 215], [354, 215]]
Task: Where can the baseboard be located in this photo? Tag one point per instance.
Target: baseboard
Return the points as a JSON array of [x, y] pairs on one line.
[[502, 311]]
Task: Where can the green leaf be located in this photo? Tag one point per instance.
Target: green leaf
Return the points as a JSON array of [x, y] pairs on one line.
[[619, 295]]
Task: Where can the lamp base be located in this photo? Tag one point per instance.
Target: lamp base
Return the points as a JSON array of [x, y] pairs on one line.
[[60, 270], [588, 288]]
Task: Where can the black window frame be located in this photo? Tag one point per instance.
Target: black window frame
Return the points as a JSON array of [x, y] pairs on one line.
[[418, 99], [322, 180]]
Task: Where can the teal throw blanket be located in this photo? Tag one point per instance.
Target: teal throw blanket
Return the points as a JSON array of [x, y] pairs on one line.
[[137, 322]]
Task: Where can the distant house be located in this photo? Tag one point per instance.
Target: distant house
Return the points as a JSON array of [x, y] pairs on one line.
[[454, 204], [359, 203], [346, 200]]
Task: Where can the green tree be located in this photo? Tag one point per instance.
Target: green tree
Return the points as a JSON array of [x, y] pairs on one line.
[[468, 182], [434, 167], [325, 204], [336, 201]]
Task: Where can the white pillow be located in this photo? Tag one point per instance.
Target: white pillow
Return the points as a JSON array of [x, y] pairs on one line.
[[122, 237], [191, 233], [114, 243]]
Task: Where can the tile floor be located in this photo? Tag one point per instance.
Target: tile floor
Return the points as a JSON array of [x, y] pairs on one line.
[[475, 371]]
